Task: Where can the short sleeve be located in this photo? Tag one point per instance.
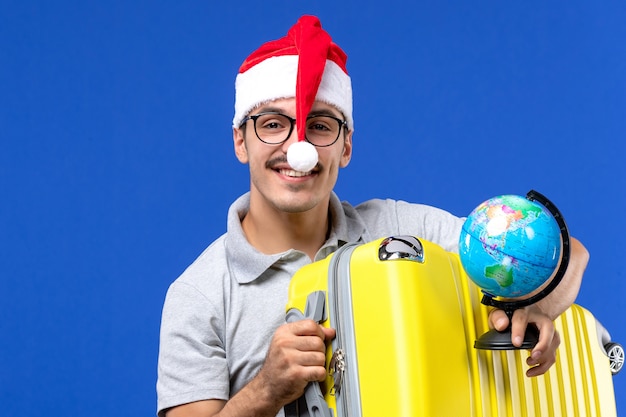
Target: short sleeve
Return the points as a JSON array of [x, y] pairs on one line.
[[192, 360]]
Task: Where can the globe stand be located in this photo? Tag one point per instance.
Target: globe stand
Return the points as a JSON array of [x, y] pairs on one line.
[[501, 340]]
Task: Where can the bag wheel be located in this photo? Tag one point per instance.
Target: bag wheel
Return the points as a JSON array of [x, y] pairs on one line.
[[615, 352]]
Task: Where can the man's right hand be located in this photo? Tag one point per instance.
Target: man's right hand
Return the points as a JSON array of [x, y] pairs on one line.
[[296, 356]]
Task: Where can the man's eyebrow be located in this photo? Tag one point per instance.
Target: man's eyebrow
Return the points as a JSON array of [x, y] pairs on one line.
[[319, 112], [264, 109], [324, 112]]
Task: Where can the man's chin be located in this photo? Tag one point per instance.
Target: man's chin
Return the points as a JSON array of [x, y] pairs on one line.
[[294, 203]]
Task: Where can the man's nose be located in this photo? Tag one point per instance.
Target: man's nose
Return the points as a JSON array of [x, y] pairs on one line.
[[293, 138]]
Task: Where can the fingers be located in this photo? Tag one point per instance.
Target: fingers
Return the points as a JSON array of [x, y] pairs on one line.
[[310, 349], [302, 343], [543, 354], [540, 361], [519, 323], [304, 327], [329, 333], [310, 328], [498, 320], [296, 356]]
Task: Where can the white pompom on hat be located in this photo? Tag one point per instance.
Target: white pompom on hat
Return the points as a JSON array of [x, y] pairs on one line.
[[304, 64]]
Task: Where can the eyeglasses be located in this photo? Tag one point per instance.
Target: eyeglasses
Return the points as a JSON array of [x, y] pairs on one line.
[[275, 128]]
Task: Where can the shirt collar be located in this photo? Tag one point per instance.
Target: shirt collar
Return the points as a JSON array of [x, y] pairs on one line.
[[246, 263]]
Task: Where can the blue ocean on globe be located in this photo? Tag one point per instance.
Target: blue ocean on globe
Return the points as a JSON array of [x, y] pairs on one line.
[[510, 246]]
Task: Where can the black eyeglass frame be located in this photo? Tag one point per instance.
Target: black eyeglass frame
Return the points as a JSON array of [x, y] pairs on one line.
[[292, 121]]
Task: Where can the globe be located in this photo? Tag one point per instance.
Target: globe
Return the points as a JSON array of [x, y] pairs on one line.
[[510, 246]]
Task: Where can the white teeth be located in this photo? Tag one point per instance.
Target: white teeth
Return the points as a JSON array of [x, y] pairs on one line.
[[293, 173]]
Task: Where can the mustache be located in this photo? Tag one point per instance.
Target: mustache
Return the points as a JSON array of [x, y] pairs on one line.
[[281, 160]]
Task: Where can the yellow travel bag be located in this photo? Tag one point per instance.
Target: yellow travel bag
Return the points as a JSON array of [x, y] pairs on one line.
[[407, 317]]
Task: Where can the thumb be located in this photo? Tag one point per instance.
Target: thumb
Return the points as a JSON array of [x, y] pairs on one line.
[[329, 333], [498, 320]]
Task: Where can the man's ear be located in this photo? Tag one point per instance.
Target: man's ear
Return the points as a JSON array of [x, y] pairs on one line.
[[239, 143], [347, 150]]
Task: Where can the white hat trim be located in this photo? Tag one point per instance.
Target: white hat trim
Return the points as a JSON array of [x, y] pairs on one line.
[[275, 78]]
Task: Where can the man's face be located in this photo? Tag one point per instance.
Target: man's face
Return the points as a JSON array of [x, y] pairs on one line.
[[273, 182]]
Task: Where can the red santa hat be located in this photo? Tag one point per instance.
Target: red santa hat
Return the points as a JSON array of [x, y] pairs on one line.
[[304, 64]]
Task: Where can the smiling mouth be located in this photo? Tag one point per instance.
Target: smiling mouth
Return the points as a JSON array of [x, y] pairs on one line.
[[294, 173], [281, 166]]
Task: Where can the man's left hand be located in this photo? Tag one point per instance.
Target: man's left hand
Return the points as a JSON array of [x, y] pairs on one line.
[[543, 355]]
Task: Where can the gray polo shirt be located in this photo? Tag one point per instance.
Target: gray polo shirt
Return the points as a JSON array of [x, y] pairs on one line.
[[220, 314]]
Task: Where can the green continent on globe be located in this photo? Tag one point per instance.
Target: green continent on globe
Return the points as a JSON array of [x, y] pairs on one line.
[[501, 274]]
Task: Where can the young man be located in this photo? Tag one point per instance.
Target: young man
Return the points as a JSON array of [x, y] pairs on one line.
[[225, 348]]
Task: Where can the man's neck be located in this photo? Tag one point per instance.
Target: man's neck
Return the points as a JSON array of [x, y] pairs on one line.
[[271, 231]]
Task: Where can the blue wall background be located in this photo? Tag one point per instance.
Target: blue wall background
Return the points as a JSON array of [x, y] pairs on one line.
[[116, 166]]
